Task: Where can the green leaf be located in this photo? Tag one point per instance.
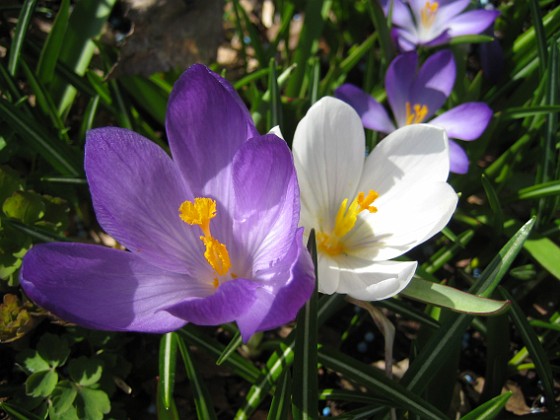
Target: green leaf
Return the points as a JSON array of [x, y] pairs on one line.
[[51, 149], [85, 23], [18, 413], [546, 253], [202, 399], [232, 346], [53, 349], [85, 371], [305, 383], [379, 384], [24, 206], [10, 182], [148, 95], [280, 406], [437, 349], [19, 35], [238, 364], [53, 44], [471, 39], [41, 384], [535, 348], [32, 361], [451, 298], [92, 403], [63, 397], [490, 409], [167, 366]]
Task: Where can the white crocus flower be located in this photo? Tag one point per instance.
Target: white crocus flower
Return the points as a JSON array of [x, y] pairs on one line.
[[369, 210]]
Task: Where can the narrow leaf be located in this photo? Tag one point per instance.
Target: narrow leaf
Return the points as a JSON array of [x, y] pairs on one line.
[[167, 366], [19, 35], [451, 298], [490, 409]]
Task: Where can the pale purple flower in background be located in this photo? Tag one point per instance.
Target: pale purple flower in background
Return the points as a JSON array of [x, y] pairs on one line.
[[368, 211], [212, 233], [414, 95], [430, 23]]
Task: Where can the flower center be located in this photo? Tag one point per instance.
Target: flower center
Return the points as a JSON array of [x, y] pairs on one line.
[[428, 13], [416, 114], [200, 212], [331, 243]]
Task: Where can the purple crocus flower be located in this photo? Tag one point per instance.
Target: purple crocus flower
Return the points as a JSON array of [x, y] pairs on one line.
[[415, 95], [212, 233], [431, 23]]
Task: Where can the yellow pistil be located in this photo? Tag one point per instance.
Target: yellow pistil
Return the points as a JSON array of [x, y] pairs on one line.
[[200, 212], [428, 13], [346, 217], [416, 116]]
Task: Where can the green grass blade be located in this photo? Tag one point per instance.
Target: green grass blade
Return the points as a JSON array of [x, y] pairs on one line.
[[495, 206], [536, 17], [85, 23], [490, 409], [305, 387], [470, 39], [167, 367], [19, 35], [280, 406], [454, 299], [315, 15], [535, 348], [546, 253], [45, 101], [275, 112], [497, 354], [89, 117], [238, 364], [376, 381], [51, 149], [202, 399], [437, 349], [235, 342], [546, 189], [18, 413], [53, 45], [382, 29], [148, 95], [446, 253], [408, 312]]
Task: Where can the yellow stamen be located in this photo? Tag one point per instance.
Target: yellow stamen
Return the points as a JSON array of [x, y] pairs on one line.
[[416, 117], [428, 13], [200, 212], [217, 255], [346, 217]]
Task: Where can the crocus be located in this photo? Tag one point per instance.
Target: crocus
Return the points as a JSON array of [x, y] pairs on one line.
[[368, 210], [212, 234], [431, 23], [415, 95]]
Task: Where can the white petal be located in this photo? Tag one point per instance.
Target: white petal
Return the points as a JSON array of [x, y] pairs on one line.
[[328, 274], [329, 150], [276, 131], [416, 154], [406, 217], [367, 281]]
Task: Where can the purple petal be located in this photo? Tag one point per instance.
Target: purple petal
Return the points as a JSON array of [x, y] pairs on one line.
[[442, 38], [466, 122], [206, 123], [451, 8], [231, 300], [472, 22], [405, 39], [400, 14], [289, 285], [103, 288], [398, 84], [434, 82], [266, 212], [459, 160], [137, 190], [372, 113]]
